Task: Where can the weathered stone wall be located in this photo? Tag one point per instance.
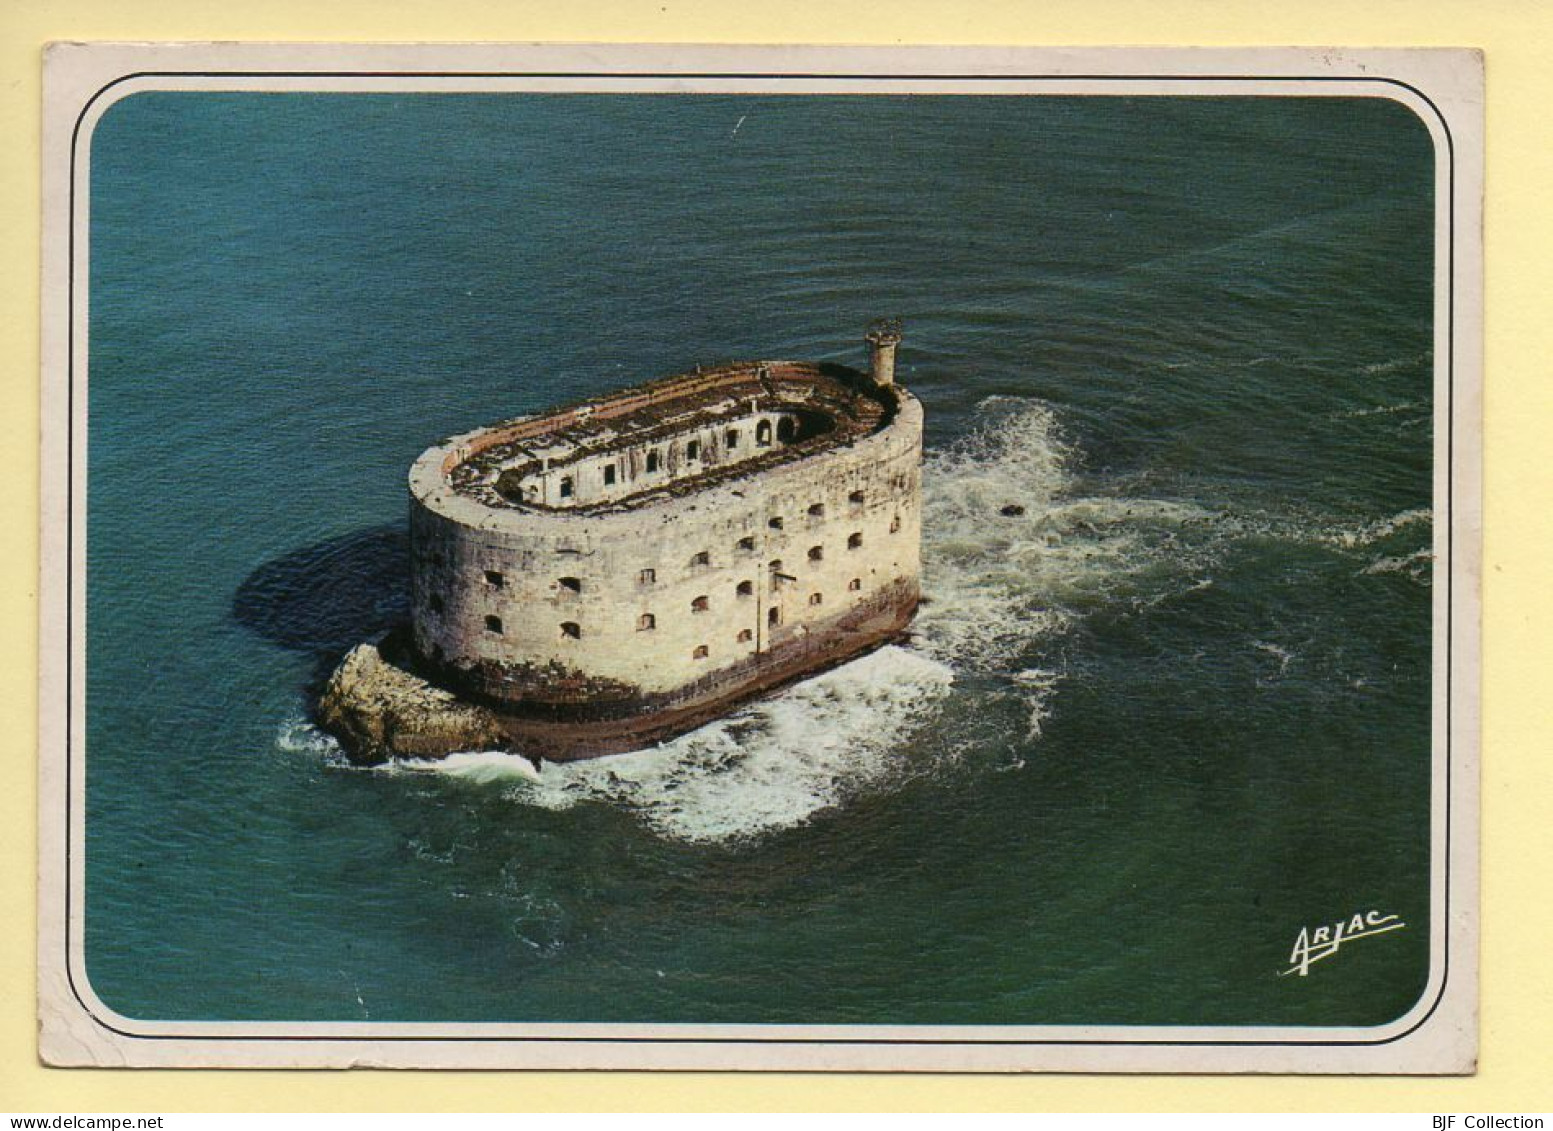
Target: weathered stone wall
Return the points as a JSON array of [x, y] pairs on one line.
[[569, 592]]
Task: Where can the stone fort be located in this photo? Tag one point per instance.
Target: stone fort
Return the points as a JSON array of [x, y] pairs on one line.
[[609, 574]]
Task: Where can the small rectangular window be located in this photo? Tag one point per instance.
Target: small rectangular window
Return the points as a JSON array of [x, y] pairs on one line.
[[609, 475], [731, 439], [693, 449], [648, 576], [566, 487]]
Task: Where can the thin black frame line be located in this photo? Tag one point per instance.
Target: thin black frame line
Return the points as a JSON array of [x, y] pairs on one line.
[[71, 815]]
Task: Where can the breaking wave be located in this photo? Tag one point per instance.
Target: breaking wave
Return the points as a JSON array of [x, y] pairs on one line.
[[1381, 535], [1419, 565], [772, 764], [1368, 533], [298, 736], [1011, 553], [1382, 410]]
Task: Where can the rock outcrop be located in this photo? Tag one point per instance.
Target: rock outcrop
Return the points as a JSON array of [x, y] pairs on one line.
[[380, 711]]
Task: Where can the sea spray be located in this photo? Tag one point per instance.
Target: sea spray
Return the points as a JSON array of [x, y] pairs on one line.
[[999, 584], [1368, 533], [770, 765]]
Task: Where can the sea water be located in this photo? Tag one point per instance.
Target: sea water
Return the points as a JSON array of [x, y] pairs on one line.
[[1143, 732]]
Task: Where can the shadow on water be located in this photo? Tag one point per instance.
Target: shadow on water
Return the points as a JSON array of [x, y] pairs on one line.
[[326, 598]]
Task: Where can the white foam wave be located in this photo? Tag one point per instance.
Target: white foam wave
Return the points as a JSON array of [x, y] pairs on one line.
[[298, 736], [998, 583], [1368, 533], [1394, 365], [1418, 565], [479, 765], [773, 764], [1380, 410], [1036, 686]]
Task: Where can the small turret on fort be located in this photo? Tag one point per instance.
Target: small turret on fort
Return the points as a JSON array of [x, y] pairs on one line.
[[883, 336]]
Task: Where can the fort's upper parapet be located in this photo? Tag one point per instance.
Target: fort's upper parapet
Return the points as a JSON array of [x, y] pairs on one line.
[[667, 438]]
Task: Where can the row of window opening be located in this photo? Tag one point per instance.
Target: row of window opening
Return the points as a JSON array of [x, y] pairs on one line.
[[650, 576], [497, 580], [703, 558], [647, 622], [786, 430]]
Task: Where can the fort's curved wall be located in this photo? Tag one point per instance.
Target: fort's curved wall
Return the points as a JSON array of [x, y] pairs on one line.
[[618, 607]]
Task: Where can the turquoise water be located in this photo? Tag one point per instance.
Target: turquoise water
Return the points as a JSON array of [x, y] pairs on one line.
[[1144, 734]]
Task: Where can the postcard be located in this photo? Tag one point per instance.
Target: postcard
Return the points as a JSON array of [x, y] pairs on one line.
[[917, 560]]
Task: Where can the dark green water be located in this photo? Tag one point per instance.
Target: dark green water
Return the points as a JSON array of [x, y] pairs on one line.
[[1148, 731]]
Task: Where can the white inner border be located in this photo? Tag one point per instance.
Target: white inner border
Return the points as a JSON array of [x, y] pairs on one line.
[[83, 82]]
